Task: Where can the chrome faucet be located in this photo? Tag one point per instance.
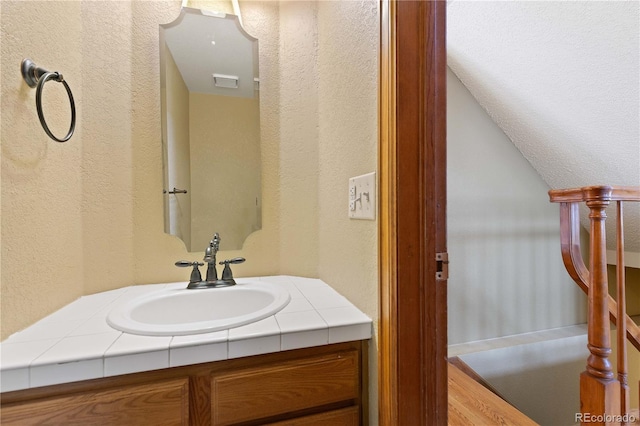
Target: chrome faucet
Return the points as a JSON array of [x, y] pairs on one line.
[[210, 257], [211, 279]]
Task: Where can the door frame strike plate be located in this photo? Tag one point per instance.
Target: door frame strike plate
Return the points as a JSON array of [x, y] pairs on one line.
[[442, 266]]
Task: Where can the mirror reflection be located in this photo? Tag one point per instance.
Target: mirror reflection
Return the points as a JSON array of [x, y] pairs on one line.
[[210, 129]]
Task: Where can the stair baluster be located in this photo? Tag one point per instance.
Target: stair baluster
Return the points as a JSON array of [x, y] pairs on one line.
[[599, 391], [621, 331], [601, 394]]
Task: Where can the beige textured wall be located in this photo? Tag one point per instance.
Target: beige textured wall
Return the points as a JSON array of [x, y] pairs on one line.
[[42, 190], [348, 146], [299, 143], [88, 215], [177, 148], [226, 168], [107, 95]]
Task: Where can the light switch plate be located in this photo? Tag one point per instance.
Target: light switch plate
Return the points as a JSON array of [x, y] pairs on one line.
[[362, 197]]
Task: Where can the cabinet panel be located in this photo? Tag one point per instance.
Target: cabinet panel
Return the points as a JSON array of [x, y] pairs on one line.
[[255, 390], [346, 417], [160, 403], [286, 387]]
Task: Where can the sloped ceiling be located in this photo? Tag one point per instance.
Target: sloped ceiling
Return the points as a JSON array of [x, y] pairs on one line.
[[562, 79]]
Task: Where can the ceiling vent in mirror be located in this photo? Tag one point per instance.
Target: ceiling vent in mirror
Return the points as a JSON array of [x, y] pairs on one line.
[[226, 81]]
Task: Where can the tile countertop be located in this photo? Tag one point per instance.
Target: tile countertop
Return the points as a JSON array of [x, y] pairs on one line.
[[76, 343]]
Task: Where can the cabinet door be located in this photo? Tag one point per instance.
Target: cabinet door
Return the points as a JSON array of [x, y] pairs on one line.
[[346, 417], [284, 387], [160, 403]]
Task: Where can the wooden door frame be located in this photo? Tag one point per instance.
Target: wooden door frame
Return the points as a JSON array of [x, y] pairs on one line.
[[412, 372]]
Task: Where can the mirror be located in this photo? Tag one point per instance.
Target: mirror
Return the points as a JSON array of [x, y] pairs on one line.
[[209, 87]]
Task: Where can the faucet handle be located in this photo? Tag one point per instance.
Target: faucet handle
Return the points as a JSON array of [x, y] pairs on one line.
[[226, 272], [195, 273], [185, 263], [232, 261]]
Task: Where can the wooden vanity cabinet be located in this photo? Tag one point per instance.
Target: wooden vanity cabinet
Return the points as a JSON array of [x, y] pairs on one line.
[[157, 403], [323, 385]]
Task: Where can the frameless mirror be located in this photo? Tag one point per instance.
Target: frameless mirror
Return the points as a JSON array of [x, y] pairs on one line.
[[209, 88]]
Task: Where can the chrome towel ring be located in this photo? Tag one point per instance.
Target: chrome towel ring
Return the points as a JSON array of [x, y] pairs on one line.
[[36, 77]]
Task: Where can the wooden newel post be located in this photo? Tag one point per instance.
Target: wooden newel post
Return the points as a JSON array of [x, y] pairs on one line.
[[599, 390], [602, 396]]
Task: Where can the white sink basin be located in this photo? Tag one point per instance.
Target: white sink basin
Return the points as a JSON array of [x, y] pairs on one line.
[[175, 312]]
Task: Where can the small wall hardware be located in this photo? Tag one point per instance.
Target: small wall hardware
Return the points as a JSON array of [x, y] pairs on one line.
[[362, 196], [36, 76]]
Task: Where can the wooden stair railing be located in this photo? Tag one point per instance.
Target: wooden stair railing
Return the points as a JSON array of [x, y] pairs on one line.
[[601, 394]]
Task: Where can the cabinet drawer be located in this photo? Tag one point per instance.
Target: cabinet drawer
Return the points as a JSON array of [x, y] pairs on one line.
[[160, 403], [285, 387], [346, 417]]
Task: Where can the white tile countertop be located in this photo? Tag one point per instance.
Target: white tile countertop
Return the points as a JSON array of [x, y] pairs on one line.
[[76, 343]]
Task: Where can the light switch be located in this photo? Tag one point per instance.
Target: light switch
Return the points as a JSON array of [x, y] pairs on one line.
[[362, 196]]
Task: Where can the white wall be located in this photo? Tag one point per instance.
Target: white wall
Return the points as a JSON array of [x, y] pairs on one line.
[[506, 272]]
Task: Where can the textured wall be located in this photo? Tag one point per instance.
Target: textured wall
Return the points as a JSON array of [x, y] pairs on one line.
[[348, 146], [90, 212], [87, 216], [107, 94], [42, 191], [348, 134], [506, 275], [299, 138]]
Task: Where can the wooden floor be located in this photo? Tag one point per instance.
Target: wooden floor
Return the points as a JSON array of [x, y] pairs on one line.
[[470, 403]]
